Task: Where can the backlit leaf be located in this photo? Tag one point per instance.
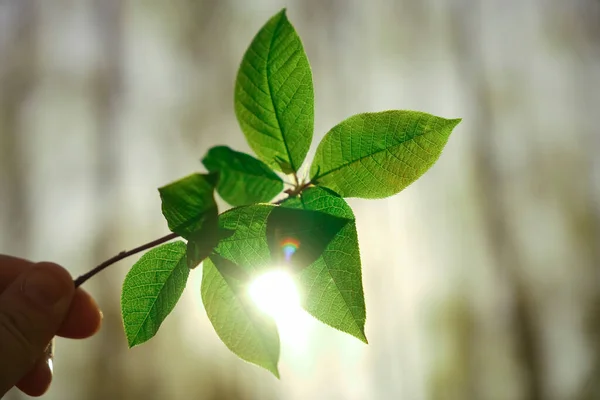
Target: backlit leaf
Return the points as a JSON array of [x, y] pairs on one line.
[[244, 329], [308, 231], [151, 289], [274, 98], [376, 155], [332, 285], [258, 233], [189, 202], [202, 242], [242, 178], [246, 245]]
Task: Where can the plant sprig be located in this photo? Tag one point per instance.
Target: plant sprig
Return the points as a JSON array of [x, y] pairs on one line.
[[369, 155]]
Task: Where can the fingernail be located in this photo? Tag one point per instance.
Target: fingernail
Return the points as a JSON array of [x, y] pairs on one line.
[[43, 287]]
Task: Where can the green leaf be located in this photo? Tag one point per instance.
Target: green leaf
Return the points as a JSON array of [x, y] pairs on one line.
[[151, 289], [247, 244], [274, 98], [284, 166], [308, 232], [189, 202], [246, 331], [258, 233], [231, 270], [376, 155], [332, 285], [202, 242], [253, 246], [242, 178]]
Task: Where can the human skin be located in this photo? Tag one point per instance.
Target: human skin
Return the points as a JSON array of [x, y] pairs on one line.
[[38, 301]]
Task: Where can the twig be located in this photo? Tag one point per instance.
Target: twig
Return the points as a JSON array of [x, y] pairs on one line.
[[299, 188], [124, 254], [278, 202]]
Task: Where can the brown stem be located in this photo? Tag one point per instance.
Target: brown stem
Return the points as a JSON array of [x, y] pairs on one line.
[[124, 254], [278, 202]]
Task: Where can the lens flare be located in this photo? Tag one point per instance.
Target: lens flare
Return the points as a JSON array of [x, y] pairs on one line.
[[289, 247]]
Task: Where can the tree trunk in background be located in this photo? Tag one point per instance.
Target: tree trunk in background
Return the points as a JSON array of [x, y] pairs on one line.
[[17, 78], [490, 183], [109, 380], [585, 210]]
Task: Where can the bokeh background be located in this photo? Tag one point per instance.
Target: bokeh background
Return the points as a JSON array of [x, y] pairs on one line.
[[481, 279]]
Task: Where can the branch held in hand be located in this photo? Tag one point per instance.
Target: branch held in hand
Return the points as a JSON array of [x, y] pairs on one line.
[[124, 254]]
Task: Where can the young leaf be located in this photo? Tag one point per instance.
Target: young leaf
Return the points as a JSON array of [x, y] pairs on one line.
[[242, 178], [189, 202], [332, 285], [376, 155], [246, 331], [151, 289], [274, 98]]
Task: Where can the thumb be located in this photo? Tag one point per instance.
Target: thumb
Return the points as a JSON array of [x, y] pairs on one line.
[[32, 309]]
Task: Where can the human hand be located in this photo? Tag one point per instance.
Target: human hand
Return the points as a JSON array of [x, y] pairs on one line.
[[37, 302]]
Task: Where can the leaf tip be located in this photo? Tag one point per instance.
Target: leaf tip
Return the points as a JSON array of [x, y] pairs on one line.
[[363, 338], [133, 341], [453, 122], [360, 334], [275, 371], [281, 15]]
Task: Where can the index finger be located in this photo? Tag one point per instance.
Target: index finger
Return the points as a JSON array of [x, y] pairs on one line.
[[84, 317]]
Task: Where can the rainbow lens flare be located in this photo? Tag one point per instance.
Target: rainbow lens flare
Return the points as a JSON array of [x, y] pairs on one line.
[[289, 246]]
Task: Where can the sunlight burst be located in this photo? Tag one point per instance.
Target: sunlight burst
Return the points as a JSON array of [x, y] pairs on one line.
[[275, 293]]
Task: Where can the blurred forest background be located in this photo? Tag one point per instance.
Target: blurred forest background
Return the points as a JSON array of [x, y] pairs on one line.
[[481, 279]]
